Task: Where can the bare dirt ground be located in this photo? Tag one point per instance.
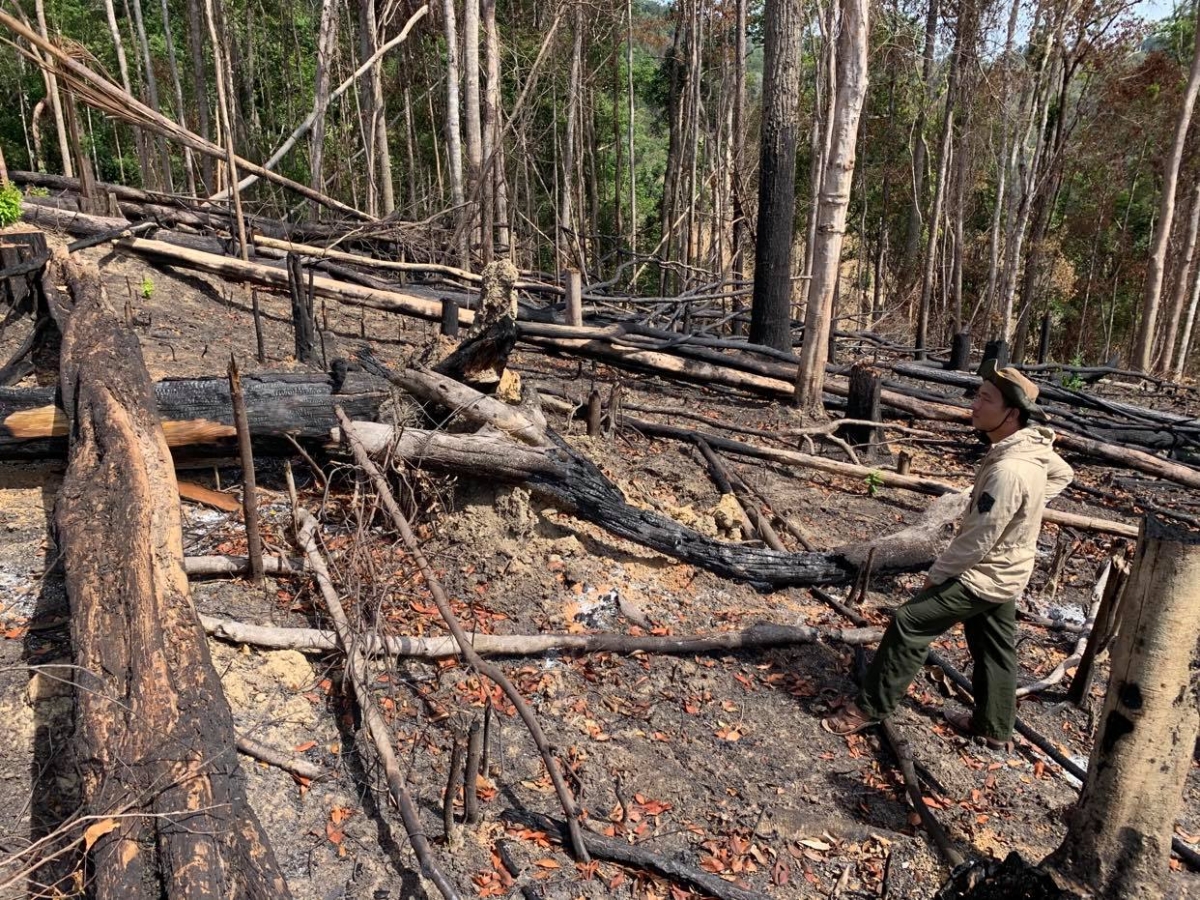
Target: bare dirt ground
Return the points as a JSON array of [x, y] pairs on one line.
[[718, 760]]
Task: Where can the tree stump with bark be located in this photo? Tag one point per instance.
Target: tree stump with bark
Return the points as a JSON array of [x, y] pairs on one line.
[[1118, 842], [155, 733]]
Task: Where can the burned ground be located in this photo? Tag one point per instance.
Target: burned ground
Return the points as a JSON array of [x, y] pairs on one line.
[[716, 759]]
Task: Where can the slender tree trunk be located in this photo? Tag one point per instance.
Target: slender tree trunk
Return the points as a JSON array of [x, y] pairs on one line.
[[454, 150], [633, 214], [1118, 840], [189, 171], [152, 93], [196, 40], [60, 123], [114, 29], [567, 223], [1166, 357], [224, 116], [1023, 193], [770, 315], [939, 190], [740, 237], [377, 133], [920, 153], [1005, 162], [835, 201], [1166, 215], [472, 124], [1185, 342], [326, 45], [489, 127]]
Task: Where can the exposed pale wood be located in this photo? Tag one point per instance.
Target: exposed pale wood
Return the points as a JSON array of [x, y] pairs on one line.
[[200, 494], [762, 635], [278, 758]]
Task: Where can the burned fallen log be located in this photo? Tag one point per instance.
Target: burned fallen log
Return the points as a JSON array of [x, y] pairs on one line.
[[196, 412], [154, 732]]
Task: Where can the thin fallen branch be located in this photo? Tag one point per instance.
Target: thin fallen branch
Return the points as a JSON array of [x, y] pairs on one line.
[[484, 668], [356, 663], [912, 786], [618, 851], [760, 636], [216, 566], [278, 758]]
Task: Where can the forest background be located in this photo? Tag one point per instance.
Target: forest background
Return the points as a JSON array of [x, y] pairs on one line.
[[1017, 160]]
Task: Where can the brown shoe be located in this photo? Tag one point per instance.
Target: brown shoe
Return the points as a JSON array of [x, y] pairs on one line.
[[964, 724], [848, 720]]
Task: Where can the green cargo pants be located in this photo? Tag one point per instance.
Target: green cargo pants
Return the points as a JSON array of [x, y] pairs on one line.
[[991, 630]]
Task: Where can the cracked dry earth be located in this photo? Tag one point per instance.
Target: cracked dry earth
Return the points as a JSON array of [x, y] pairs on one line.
[[717, 760]]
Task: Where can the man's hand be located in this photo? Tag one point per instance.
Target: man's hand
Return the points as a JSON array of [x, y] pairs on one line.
[[927, 585]]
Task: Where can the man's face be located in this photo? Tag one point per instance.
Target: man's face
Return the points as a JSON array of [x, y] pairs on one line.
[[988, 409]]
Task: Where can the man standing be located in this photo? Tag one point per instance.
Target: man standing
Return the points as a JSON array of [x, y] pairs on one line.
[[978, 578]]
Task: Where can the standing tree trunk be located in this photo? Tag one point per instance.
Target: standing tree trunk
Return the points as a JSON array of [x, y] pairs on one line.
[[454, 128], [60, 122], [939, 190], [114, 29], [1166, 358], [375, 137], [1185, 342], [495, 218], [1166, 215], [737, 154], [920, 153], [633, 219], [1118, 841], [569, 234], [326, 44], [155, 732], [189, 171], [196, 39], [770, 315], [152, 94], [834, 203], [471, 113]]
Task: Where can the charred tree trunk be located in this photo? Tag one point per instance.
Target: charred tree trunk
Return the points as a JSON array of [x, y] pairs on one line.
[[154, 729], [771, 312], [196, 411], [1118, 842], [303, 321]]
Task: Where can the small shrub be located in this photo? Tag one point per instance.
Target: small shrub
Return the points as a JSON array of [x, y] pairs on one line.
[[147, 287], [874, 482], [10, 204]]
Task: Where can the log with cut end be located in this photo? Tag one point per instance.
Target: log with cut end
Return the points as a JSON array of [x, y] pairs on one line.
[[197, 411], [154, 734]]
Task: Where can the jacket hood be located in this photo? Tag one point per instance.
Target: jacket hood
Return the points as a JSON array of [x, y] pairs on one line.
[[1034, 444]]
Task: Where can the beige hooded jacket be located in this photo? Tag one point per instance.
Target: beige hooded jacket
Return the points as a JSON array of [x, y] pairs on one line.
[[993, 552]]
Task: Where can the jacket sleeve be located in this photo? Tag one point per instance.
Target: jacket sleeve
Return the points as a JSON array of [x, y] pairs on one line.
[[996, 503], [1058, 476]]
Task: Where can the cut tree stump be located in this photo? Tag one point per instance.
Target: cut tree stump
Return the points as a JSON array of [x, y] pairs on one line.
[[155, 735], [1118, 841]]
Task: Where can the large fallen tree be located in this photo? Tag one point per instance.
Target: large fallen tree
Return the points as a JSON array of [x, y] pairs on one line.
[[197, 411], [155, 735]]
